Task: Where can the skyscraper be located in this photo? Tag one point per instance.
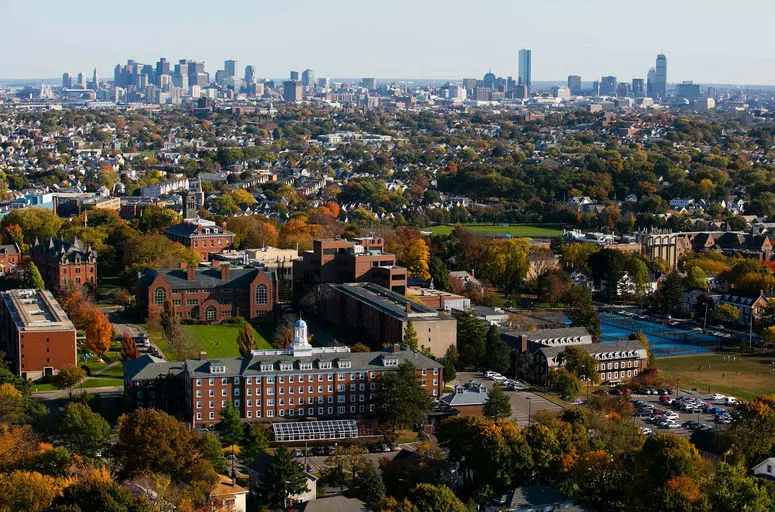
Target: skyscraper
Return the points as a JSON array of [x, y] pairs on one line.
[[162, 68], [370, 83], [293, 91], [608, 86], [230, 66], [81, 81], [650, 79], [574, 84], [67, 81], [660, 80], [95, 80], [637, 88], [250, 74], [294, 75], [525, 76], [308, 78]]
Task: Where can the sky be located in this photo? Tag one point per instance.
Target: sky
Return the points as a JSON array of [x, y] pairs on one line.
[[708, 41]]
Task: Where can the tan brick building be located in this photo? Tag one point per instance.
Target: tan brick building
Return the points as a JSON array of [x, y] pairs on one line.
[[35, 333]]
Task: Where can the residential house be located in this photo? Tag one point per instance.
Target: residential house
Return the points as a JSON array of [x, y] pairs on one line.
[[336, 503], [748, 303], [227, 496], [539, 498], [468, 399], [765, 468], [10, 254]]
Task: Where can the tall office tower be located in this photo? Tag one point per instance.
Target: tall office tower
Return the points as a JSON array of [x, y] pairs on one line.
[[650, 82], [660, 80], [230, 66], [488, 81], [117, 76], [469, 84], [67, 81], [292, 90], [149, 71], [525, 76], [574, 84], [638, 90], [595, 88], [250, 74], [95, 80], [81, 81], [165, 82], [323, 83], [162, 68], [308, 78], [623, 90], [370, 83], [608, 86], [294, 76]]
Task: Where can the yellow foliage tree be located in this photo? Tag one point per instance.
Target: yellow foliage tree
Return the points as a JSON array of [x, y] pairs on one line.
[[416, 258]]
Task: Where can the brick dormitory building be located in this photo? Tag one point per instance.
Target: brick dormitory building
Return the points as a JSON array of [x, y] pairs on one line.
[[37, 337], [211, 294], [61, 263], [203, 236], [296, 383]]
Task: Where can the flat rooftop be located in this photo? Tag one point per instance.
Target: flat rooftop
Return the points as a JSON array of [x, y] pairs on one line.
[[36, 310], [387, 301], [419, 291]]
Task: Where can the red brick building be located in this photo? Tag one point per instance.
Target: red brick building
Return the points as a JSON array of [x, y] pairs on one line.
[[342, 261], [276, 385], [35, 333], [61, 263], [204, 236], [212, 294], [9, 258]]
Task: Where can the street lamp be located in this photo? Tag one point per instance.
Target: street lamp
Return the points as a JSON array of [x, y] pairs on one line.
[[529, 409]]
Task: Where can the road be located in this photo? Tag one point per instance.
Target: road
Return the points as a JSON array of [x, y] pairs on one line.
[[123, 326]]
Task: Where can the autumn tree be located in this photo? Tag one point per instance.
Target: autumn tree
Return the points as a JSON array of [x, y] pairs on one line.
[[415, 258], [246, 340], [11, 404], [129, 348], [24, 491], [579, 362], [283, 331], [156, 219], [122, 298], [68, 378], [553, 285], [99, 332], [35, 223], [436, 498], [210, 449], [82, 430]]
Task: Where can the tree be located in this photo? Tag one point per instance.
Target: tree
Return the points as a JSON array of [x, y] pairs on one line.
[[254, 443], [390, 504], [410, 336], [695, 278], [562, 381], [122, 298], [151, 440], [129, 348], [725, 313], [11, 404], [24, 491], [68, 378], [768, 335], [400, 400], [436, 498], [471, 334], [497, 405], [99, 495], [644, 341], [246, 340], [82, 430], [210, 449], [497, 353], [439, 274], [579, 362], [232, 432], [35, 223], [666, 456], [450, 372], [156, 218], [582, 313], [415, 258], [369, 486], [553, 285], [732, 490], [99, 332], [32, 278], [284, 477]]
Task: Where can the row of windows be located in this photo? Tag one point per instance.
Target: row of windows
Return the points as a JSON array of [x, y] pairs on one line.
[[292, 390], [321, 411], [615, 366], [160, 296], [270, 402], [212, 243], [291, 378], [630, 373]]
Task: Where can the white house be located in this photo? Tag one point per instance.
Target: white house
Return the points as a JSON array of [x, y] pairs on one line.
[[679, 203], [765, 468]]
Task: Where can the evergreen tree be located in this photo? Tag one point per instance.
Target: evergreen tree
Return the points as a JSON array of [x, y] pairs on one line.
[[232, 431], [246, 340], [497, 353], [283, 478], [400, 400], [210, 449], [253, 444], [32, 278], [450, 360], [470, 338], [497, 405], [369, 486], [439, 274], [83, 431], [410, 336]]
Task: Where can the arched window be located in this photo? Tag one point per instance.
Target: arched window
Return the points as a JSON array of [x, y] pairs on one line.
[[261, 294], [159, 295], [210, 314]]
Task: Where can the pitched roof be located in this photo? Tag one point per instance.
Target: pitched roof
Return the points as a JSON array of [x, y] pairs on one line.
[[205, 277], [535, 496], [473, 393], [148, 367], [548, 334], [189, 229], [332, 504], [599, 349]]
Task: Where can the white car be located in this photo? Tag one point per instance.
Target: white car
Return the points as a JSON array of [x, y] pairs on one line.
[[646, 431], [729, 400], [671, 415], [718, 396], [499, 378], [488, 374]]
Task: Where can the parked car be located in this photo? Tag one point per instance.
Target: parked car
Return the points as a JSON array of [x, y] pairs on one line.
[[488, 374], [729, 400], [671, 415], [691, 424], [718, 396], [646, 431], [298, 453], [673, 425]]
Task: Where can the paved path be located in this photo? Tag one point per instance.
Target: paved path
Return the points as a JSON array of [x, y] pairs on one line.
[[105, 368], [61, 393], [123, 326]]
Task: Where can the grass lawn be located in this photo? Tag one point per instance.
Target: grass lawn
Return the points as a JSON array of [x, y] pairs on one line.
[[99, 382], [216, 340], [515, 230], [744, 377]]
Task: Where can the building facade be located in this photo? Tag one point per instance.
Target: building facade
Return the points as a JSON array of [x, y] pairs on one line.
[[616, 362], [210, 294], [64, 263], [525, 72], [296, 383], [37, 336], [203, 236], [10, 254], [343, 261]]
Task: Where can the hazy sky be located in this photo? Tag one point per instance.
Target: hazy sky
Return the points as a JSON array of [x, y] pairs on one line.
[[705, 40]]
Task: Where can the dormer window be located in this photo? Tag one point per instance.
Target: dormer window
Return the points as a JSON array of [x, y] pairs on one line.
[[217, 368], [286, 367], [325, 365], [389, 361], [344, 363], [305, 366], [267, 367]]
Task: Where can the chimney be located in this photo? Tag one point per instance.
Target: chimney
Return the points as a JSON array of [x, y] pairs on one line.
[[203, 356], [523, 343], [473, 274], [223, 226], [190, 273], [224, 271], [408, 307], [396, 348]]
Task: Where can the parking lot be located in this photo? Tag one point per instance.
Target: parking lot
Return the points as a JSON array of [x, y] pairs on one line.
[[523, 403], [683, 416]]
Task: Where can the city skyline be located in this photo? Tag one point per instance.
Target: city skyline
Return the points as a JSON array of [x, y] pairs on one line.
[[350, 39]]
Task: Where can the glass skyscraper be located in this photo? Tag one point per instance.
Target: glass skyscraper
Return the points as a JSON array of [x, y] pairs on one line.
[[660, 78], [525, 76]]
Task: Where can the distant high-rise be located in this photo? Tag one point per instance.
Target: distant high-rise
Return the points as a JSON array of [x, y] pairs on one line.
[[162, 68], [595, 88], [323, 83], [294, 76], [650, 82], [67, 81], [293, 90], [308, 78], [370, 84], [638, 90], [81, 81], [230, 66], [660, 80], [525, 75], [250, 74], [574, 84], [608, 86], [623, 90], [95, 81]]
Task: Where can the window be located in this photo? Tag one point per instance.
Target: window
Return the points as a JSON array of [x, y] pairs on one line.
[[199, 415], [210, 314], [250, 414], [261, 295], [212, 415], [211, 404], [291, 412], [249, 403], [198, 393], [223, 392], [340, 410], [236, 391], [270, 413], [159, 295], [223, 403], [236, 403], [199, 405], [212, 392]]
